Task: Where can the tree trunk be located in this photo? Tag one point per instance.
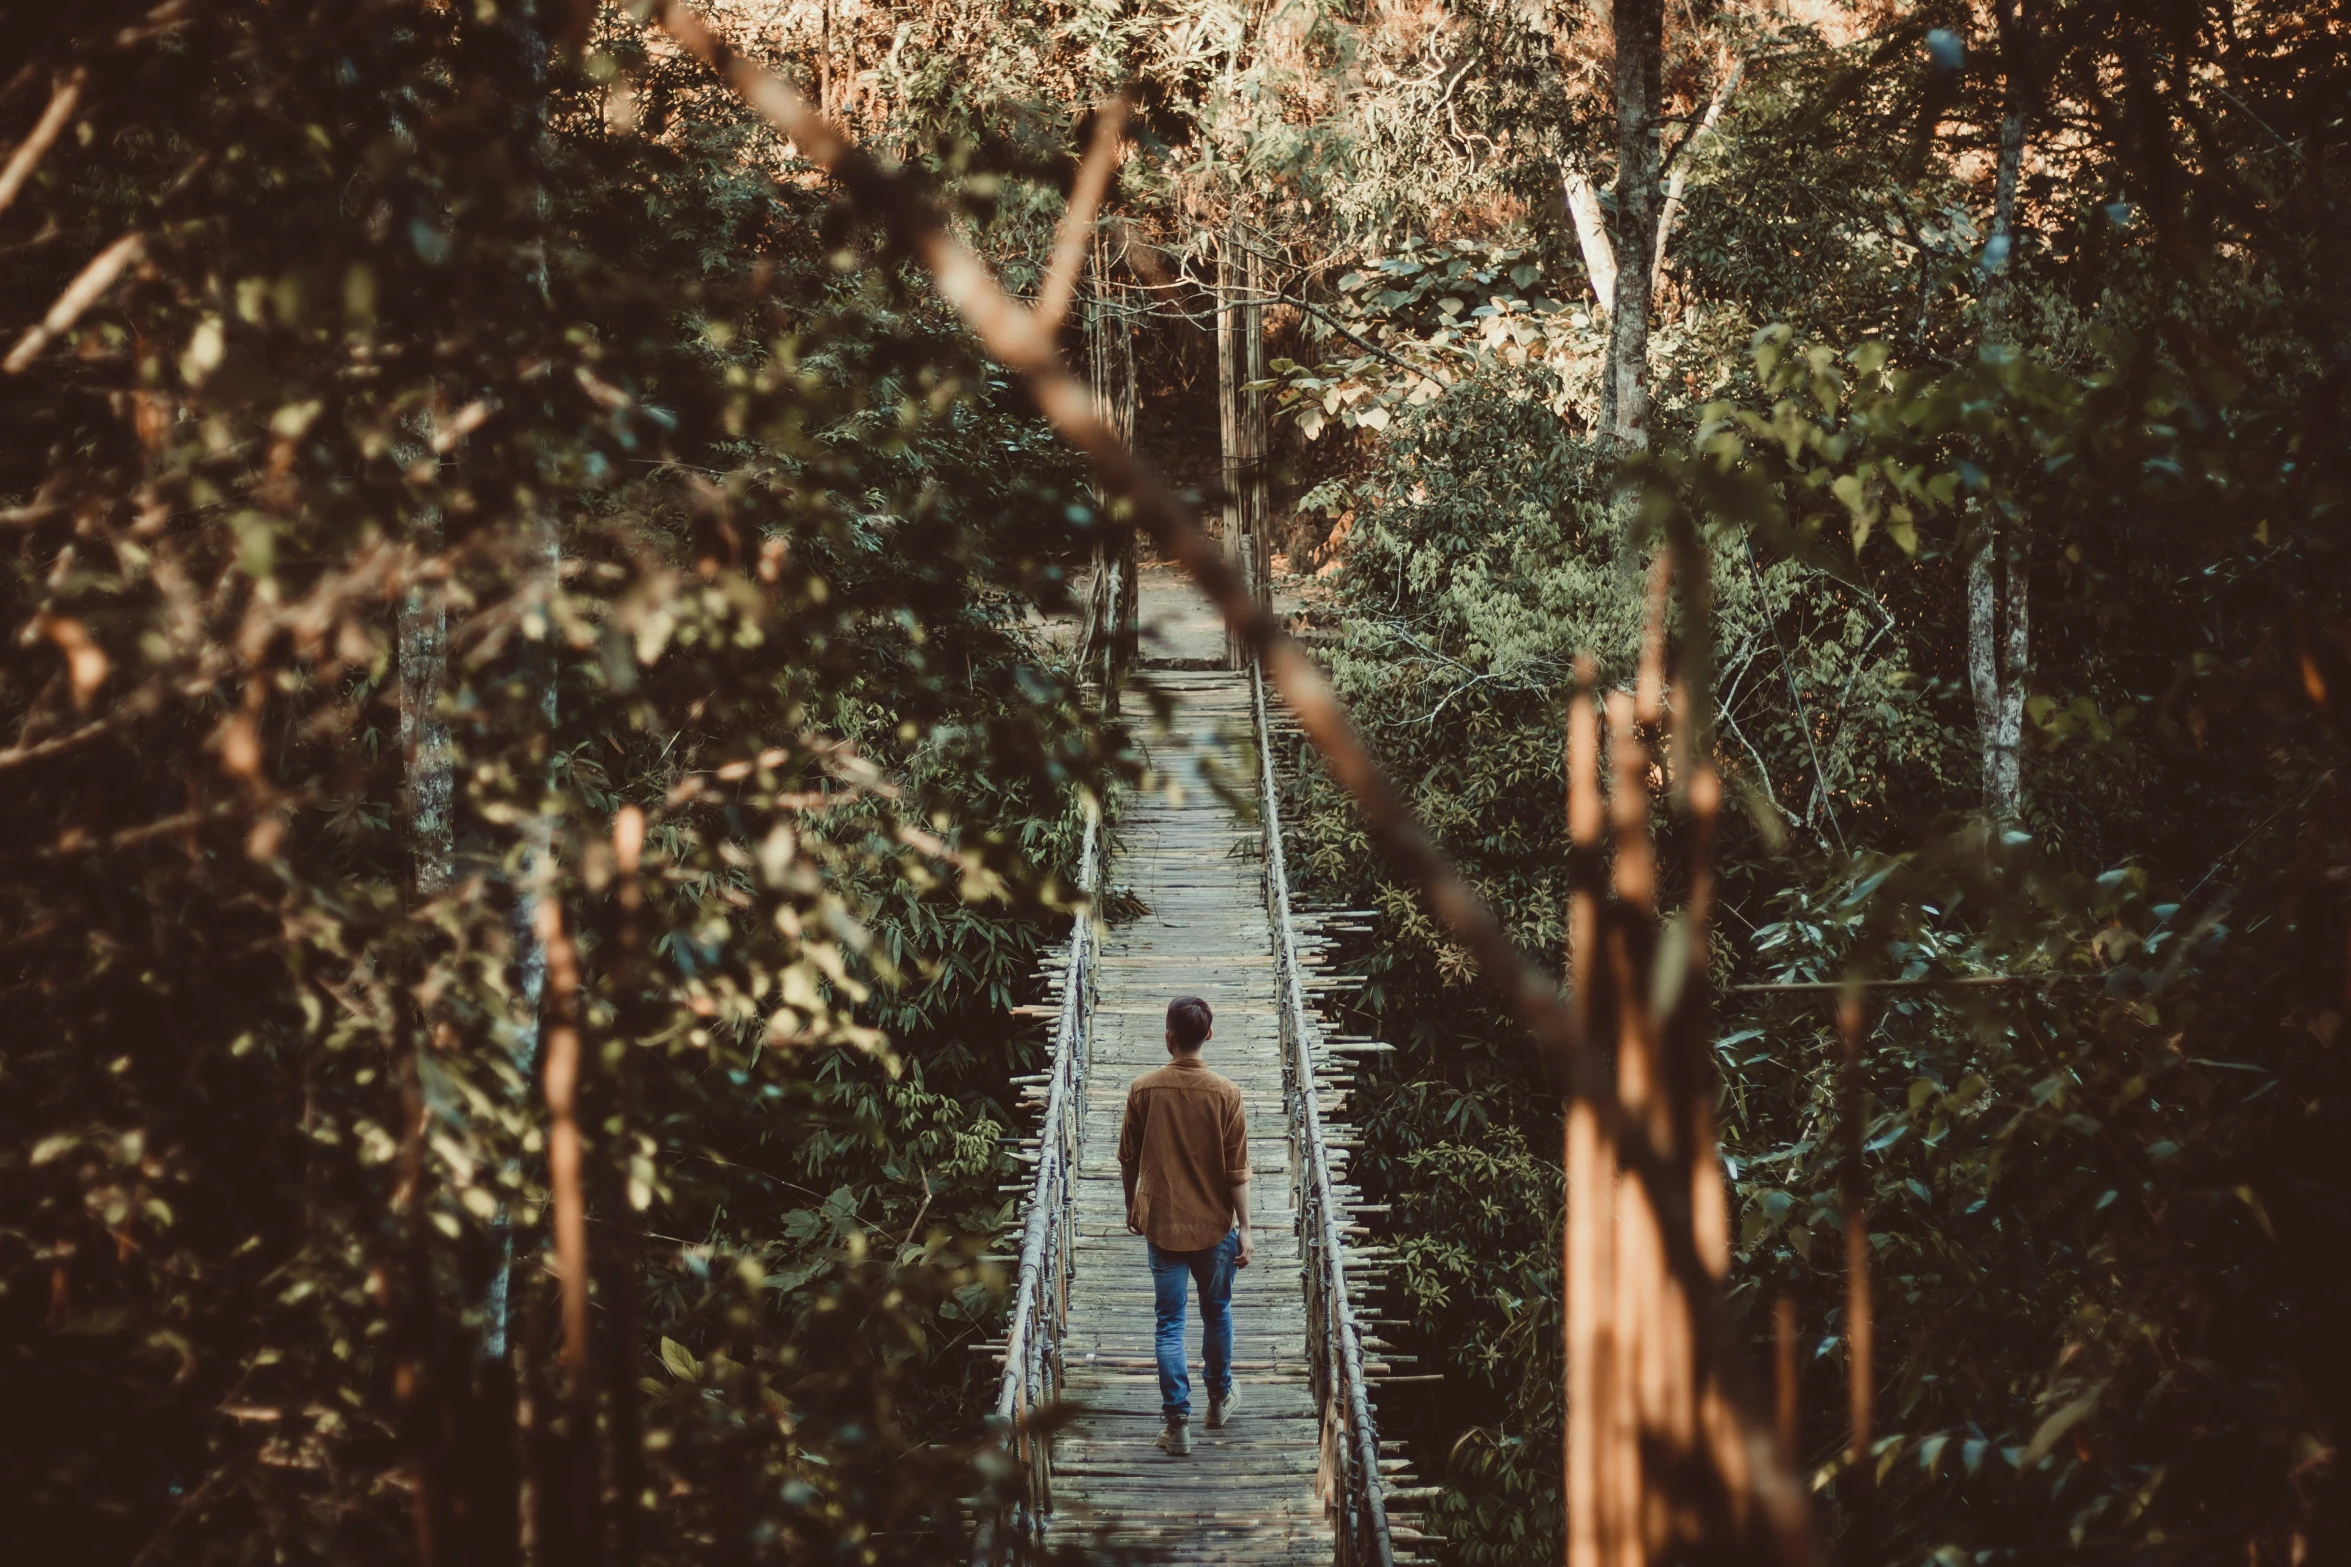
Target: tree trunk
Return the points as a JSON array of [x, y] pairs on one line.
[[428, 762], [2017, 27], [1999, 574], [541, 553], [530, 952], [427, 800], [1624, 394]]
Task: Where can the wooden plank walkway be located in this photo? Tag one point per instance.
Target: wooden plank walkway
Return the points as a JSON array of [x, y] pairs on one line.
[[1248, 1494]]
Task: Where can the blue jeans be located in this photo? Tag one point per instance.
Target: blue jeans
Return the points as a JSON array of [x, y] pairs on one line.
[[1211, 1269]]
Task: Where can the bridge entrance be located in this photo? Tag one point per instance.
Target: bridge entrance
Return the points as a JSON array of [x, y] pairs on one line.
[[1298, 1476]]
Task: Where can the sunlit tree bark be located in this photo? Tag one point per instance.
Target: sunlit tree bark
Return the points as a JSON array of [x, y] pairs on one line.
[[1624, 394]]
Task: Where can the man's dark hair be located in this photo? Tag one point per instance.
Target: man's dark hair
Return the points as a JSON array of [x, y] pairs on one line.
[[1188, 1018]]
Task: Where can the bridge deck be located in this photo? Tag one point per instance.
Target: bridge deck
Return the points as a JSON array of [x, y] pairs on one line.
[[1248, 1493]]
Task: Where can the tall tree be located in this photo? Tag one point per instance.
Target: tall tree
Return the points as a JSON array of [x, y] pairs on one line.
[[1999, 573], [1624, 387]]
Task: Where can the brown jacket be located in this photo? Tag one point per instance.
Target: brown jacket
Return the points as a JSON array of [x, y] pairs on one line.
[[1182, 1150]]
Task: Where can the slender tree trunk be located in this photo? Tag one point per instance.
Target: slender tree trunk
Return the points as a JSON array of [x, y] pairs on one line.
[[1591, 232], [1999, 574], [428, 761], [2017, 26], [530, 952], [427, 798], [542, 554], [1680, 179], [1640, 49]]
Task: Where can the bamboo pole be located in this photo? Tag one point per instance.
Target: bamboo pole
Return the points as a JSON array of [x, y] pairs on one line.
[[1589, 1160]]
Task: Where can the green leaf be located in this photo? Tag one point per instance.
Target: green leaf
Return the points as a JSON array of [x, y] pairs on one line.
[[2056, 1426], [680, 1361]]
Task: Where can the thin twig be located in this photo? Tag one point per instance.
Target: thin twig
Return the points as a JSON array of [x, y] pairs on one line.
[[560, 1080], [38, 140], [84, 291], [1364, 343], [18, 756], [1803, 714]]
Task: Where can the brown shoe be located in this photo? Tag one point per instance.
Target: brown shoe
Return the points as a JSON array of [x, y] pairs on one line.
[[1176, 1440]]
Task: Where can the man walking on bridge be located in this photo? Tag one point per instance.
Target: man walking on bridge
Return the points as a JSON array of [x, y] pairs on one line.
[[1184, 1154]]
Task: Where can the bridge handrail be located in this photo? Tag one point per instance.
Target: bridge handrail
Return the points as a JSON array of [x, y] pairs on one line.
[[1337, 1350], [1032, 1347]]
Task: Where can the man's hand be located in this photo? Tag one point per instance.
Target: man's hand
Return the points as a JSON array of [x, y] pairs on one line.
[[1241, 1258], [1133, 1228]]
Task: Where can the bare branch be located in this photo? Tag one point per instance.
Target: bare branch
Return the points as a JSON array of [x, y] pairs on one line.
[[1077, 224], [27, 157], [18, 756], [84, 291], [1681, 174]]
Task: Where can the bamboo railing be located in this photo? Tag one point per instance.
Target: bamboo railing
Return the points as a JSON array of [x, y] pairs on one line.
[[1040, 1301], [1350, 1433]]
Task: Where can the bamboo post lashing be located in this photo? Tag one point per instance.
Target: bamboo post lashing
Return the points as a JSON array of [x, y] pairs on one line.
[[1354, 1438], [1745, 1458]]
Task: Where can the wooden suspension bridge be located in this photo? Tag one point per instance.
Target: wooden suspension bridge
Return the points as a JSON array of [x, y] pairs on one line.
[[1300, 1475]]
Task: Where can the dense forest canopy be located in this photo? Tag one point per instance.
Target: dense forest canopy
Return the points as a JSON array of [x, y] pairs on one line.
[[543, 741]]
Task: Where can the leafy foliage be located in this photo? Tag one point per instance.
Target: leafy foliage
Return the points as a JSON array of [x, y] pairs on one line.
[[2095, 1186], [718, 535]]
